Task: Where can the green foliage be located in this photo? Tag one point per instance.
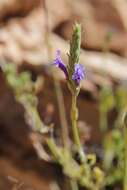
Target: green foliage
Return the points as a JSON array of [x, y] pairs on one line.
[[114, 144], [86, 174], [107, 102], [24, 91], [113, 162]]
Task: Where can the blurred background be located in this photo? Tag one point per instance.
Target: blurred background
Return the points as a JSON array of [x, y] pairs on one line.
[[30, 33]]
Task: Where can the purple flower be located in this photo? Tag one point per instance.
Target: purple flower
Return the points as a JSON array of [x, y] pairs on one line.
[[59, 63], [78, 74]]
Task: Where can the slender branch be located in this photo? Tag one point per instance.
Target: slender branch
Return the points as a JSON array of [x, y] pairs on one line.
[[59, 93], [74, 185]]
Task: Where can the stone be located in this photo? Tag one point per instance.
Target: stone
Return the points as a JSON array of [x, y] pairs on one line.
[[99, 18], [10, 8]]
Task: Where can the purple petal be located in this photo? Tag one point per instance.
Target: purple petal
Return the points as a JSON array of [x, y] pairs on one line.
[[79, 73], [59, 63]]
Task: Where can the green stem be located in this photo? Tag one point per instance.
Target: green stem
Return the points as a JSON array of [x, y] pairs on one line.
[[74, 185], [74, 118], [58, 89], [125, 158], [53, 148], [103, 121], [62, 113]]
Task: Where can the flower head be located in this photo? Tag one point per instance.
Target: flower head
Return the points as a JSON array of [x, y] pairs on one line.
[[78, 74], [59, 63]]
